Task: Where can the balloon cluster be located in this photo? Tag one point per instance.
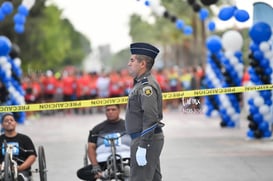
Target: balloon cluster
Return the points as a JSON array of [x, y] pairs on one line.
[[228, 12], [159, 10], [224, 69], [197, 7], [232, 73], [203, 12], [19, 18], [12, 92], [213, 75], [5, 10], [260, 71]]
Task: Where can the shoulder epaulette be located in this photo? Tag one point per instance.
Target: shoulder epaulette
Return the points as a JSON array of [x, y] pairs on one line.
[[144, 81]]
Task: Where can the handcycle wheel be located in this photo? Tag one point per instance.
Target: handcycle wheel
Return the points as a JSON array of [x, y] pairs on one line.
[[8, 174], [85, 156], [42, 163]]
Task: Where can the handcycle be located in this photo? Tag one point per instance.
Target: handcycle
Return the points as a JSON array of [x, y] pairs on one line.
[[9, 171], [114, 149]]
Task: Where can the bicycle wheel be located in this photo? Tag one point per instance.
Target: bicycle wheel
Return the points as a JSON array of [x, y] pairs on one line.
[[42, 163], [8, 175]]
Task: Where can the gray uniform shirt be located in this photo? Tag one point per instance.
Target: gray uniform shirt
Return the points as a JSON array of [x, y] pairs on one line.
[[144, 107]]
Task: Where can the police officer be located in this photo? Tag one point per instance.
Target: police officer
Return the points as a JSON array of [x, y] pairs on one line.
[[143, 115]]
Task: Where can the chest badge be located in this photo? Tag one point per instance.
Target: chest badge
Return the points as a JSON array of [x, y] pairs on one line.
[[148, 91]]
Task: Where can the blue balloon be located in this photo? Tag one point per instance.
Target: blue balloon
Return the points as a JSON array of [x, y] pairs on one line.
[[265, 94], [231, 124], [253, 47], [2, 15], [19, 19], [203, 14], [188, 30], [268, 71], [211, 26], [23, 10], [238, 54], [226, 13], [260, 32], [241, 15], [258, 55], [5, 46], [179, 24], [258, 118], [264, 63], [267, 134], [253, 110], [214, 43], [147, 3], [19, 28], [7, 8], [268, 102], [250, 134], [264, 126]]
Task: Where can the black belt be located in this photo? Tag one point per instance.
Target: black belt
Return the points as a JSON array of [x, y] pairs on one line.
[[138, 134]]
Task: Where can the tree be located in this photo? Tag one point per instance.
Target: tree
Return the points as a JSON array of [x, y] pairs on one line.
[[48, 42]]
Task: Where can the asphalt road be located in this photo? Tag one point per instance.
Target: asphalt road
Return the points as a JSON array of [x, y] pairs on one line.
[[196, 148]]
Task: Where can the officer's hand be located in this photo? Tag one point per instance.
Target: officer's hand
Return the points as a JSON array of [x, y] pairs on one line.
[[141, 156], [95, 169]]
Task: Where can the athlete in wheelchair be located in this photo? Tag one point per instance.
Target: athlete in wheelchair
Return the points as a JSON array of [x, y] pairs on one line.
[[108, 150], [17, 151]]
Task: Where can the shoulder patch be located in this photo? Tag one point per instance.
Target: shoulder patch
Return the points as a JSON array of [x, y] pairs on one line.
[[147, 90]]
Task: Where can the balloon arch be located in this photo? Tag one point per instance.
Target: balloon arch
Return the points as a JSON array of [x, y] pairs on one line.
[[11, 89]]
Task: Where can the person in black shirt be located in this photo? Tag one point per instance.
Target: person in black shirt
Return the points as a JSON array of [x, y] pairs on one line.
[[97, 152], [22, 142]]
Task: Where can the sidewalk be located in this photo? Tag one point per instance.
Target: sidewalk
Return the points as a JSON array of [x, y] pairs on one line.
[[196, 148]]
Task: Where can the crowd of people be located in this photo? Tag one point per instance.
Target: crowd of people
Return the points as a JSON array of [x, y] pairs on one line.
[[80, 85]]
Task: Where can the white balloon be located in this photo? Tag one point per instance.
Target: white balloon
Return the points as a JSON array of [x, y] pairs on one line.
[[6, 66], [214, 113], [229, 54], [8, 73], [264, 109], [235, 117], [269, 55], [3, 60], [264, 46], [230, 111], [234, 61], [232, 41], [253, 94], [158, 10], [226, 104], [17, 62], [28, 3], [268, 117], [258, 101]]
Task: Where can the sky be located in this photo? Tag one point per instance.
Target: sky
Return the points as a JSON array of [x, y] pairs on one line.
[[103, 21], [106, 21]]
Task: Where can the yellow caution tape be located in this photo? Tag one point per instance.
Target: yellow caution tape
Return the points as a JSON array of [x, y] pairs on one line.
[[123, 100]]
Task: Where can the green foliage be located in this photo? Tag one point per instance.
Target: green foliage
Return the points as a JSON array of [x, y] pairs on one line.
[[119, 60], [49, 42]]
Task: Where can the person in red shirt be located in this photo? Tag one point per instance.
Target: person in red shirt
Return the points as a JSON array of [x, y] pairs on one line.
[[49, 84], [49, 87], [116, 86], [127, 82], [83, 88], [32, 90], [68, 84]]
